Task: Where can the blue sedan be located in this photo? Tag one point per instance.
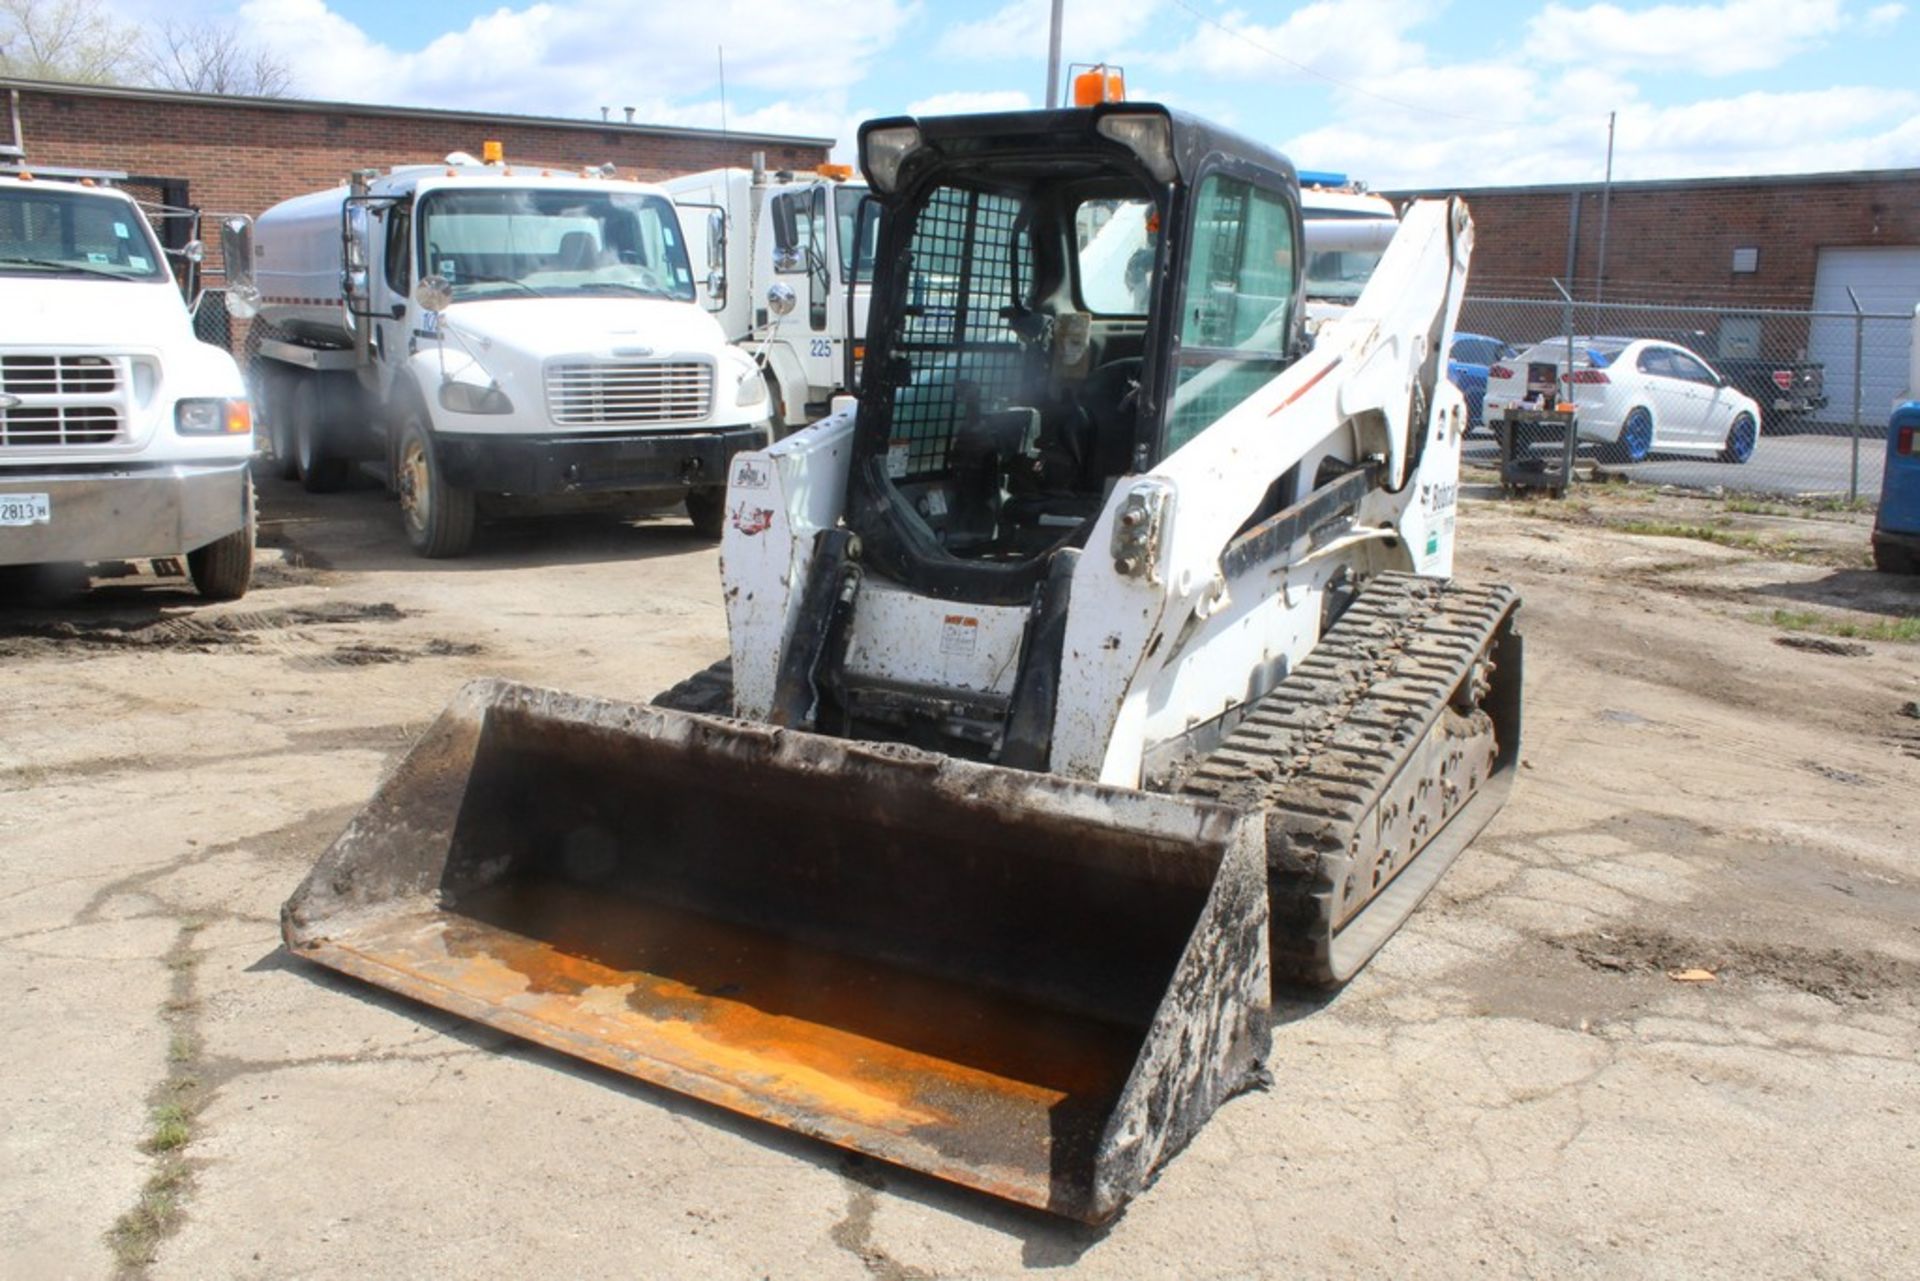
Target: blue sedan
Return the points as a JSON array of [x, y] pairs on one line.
[[1467, 363]]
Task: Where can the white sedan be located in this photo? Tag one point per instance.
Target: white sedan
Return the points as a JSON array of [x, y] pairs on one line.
[[1634, 396]]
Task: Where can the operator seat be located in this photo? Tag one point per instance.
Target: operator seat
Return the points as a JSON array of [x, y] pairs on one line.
[[579, 251]]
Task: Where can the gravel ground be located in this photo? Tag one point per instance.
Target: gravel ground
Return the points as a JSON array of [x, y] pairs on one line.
[[1533, 1078]]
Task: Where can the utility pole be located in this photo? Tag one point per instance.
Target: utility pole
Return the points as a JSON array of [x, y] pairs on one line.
[[1606, 199], [1053, 57]]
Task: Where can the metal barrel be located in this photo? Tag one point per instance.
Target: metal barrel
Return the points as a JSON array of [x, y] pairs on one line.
[[1033, 986]]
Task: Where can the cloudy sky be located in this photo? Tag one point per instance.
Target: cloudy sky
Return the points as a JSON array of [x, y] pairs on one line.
[[1398, 92]]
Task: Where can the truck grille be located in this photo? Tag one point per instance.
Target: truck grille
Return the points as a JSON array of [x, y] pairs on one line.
[[53, 401], [45, 425], [618, 392], [59, 375]]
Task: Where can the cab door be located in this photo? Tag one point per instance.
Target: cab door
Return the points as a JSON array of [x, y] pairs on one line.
[[1669, 394], [1712, 400]]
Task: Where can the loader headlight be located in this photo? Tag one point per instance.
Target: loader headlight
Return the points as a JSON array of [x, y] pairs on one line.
[[883, 151], [472, 398], [213, 418], [1146, 134]]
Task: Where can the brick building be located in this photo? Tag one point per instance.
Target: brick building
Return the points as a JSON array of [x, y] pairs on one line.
[[241, 155], [1762, 241]]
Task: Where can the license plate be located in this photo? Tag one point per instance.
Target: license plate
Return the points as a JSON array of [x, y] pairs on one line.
[[25, 509]]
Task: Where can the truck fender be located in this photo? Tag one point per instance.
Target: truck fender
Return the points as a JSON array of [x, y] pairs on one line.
[[789, 382]]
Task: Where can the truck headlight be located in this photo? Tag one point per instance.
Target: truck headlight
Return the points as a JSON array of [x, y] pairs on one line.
[[211, 417], [753, 390], [472, 398]]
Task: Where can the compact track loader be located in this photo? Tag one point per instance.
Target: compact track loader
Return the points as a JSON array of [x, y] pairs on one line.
[[1092, 671]]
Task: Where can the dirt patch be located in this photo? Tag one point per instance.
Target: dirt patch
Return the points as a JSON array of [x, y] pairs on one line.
[[369, 654], [1822, 645], [1833, 973], [195, 631]]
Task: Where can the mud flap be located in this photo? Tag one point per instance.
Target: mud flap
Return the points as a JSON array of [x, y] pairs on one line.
[[1033, 986]]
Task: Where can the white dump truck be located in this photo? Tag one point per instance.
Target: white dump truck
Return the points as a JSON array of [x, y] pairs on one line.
[[775, 240], [123, 437], [505, 339]]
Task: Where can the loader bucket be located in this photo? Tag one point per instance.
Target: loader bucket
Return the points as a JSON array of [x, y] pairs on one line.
[[1036, 987]]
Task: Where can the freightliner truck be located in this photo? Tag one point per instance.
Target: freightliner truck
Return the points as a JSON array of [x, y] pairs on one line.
[[504, 339], [783, 253]]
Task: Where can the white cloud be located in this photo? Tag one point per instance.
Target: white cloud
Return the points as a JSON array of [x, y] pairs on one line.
[[1709, 39], [1754, 133], [965, 101], [572, 57], [1090, 31], [1883, 16], [1343, 39]]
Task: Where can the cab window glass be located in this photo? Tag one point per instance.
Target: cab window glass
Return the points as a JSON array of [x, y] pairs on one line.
[[1115, 242], [399, 274], [1237, 311]]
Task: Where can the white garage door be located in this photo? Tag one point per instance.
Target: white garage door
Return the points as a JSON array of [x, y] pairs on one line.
[[1886, 279]]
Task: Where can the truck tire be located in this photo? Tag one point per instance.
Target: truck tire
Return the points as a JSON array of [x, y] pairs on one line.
[[1891, 558], [318, 473], [223, 569], [707, 508], [276, 392], [439, 517]]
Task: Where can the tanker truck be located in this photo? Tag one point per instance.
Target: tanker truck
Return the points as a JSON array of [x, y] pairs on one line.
[[505, 340]]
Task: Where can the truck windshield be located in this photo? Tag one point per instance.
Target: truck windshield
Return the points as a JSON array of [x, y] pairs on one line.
[[1342, 251], [69, 233], [505, 243]]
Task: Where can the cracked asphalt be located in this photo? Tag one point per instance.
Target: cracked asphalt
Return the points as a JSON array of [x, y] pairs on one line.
[[1518, 1086]]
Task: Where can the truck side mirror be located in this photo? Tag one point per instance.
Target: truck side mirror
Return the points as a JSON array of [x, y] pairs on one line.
[[780, 299], [236, 252], [434, 294], [716, 259]]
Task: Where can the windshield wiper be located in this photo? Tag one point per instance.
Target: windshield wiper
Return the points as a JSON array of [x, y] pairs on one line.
[[476, 278], [627, 285], [56, 264]]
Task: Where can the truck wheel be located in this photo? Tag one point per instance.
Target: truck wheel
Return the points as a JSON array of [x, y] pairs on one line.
[[319, 474], [439, 517], [708, 510], [277, 405], [223, 569]]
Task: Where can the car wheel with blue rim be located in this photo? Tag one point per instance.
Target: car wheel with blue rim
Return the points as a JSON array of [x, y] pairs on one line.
[[1741, 438], [1635, 442]]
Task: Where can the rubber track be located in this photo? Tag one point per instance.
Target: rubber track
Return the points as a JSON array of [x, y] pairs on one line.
[[709, 691], [1323, 746]]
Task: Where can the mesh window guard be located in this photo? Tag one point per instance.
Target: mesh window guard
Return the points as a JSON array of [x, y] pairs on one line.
[[959, 349]]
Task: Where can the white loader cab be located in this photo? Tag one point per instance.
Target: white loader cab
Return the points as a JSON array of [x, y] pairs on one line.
[[1344, 232], [505, 339], [123, 437], [785, 279]]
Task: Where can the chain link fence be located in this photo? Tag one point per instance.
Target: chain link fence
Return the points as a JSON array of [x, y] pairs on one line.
[[1775, 401]]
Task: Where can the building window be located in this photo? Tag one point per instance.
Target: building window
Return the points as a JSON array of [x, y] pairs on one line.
[[1746, 260]]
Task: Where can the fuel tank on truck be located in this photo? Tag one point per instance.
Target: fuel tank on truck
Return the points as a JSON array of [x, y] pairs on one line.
[[296, 267], [1035, 986]]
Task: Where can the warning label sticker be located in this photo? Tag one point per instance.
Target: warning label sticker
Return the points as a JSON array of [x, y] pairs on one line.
[[959, 634]]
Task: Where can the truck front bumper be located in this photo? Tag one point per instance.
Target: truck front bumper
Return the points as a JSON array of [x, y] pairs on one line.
[[661, 463], [124, 511]]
